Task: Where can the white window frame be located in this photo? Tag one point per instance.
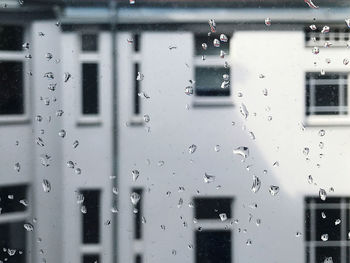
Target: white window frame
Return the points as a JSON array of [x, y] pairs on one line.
[[327, 120], [19, 56], [312, 244], [89, 57], [217, 62]]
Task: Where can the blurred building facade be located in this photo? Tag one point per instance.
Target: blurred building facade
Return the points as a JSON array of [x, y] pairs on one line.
[[106, 158]]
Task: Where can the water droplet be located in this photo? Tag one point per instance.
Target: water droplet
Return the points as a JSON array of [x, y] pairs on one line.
[[146, 118], [249, 242], [322, 133], [83, 209], [276, 164], [49, 75], [140, 76], [242, 151], [45, 160], [337, 222], [212, 25], [325, 29], [77, 171], [75, 144], [46, 186], [216, 42], [62, 133], [208, 178], [223, 217], [268, 21], [243, 110], [25, 45], [70, 164], [256, 184], [204, 46], [217, 148], [28, 56], [66, 76], [306, 151], [274, 190], [328, 44], [135, 198], [192, 148], [313, 27], [265, 92], [48, 56], [328, 260], [135, 174], [189, 90], [80, 198], [114, 210], [28, 226], [225, 84], [222, 54], [310, 180], [223, 38], [315, 50], [180, 203], [39, 142], [252, 135], [323, 215], [298, 234], [59, 113], [323, 194], [17, 167], [324, 237], [161, 163], [258, 222]]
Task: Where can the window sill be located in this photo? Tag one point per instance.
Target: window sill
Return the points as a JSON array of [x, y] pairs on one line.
[[321, 121], [91, 120], [14, 119], [212, 102]]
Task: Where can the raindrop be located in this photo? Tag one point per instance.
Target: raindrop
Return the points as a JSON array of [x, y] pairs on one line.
[[223, 217], [256, 184], [347, 21], [135, 198], [29, 227], [52, 86], [62, 133], [46, 186], [180, 203], [325, 29], [223, 38], [265, 92], [11, 252], [189, 90], [324, 237], [80, 198], [313, 27], [49, 75], [143, 220], [25, 45], [274, 190], [135, 174], [41, 34], [328, 260], [242, 151], [222, 54], [315, 50], [66, 76], [29, 56], [310, 180], [321, 145], [45, 160], [252, 135], [328, 44], [243, 110], [216, 42], [306, 151], [140, 76], [258, 222], [204, 46], [192, 148], [268, 21], [322, 133], [115, 190], [276, 164], [77, 171], [23, 202], [39, 142], [208, 178], [17, 167], [59, 113], [298, 234], [146, 118], [212, 25], [83, 209], [48, 56], [161, 163], [173, 252], [249, 242], [323, 195], [217, 148], [70, 164], [337, 222], [75, 144]]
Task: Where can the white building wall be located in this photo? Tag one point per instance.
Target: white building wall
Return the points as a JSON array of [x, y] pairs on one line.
[[282, 57]]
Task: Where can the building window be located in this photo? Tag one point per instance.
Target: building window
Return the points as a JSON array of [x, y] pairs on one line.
[[90, 94], [326, 229], [11, 70], [337, 36], [91, 217], [214, 243], [13, 217], [91, 258], [89, 42], [212, 74], [326, 94]]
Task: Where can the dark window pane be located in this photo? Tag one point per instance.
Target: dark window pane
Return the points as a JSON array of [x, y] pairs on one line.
[[208, 81], [210, 208], [307, 225], [11, 38], [91, 219], [213, 247], [326, 225], [138, 258], [136, 38], [13, 236], [11, 88], [211, 50], [10, 197], [137, 104], [138, 215], [89, 42], [325, 252], [90, 88], [91, 259], [327, 95]]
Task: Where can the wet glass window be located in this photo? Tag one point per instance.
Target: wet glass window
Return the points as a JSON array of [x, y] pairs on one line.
[[209, 81], [137, 215], [90, 88], [212, 207], [208, 43], [13, 242], [13, 199], [91, 219], [89, 42], [326, 228], [11, 88], [326, 94], [213, 246], [11, 38], [91, 258]]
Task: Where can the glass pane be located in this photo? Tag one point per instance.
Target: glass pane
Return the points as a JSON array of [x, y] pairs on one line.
[[91, 219], [211, 49], [13, 241], [13, 199], [213, 247], [323, 253], [90, 88], [91, 259], [89, 42], [11, 88], [209, 80], [327, 225], [11, 37], [211, 208]]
